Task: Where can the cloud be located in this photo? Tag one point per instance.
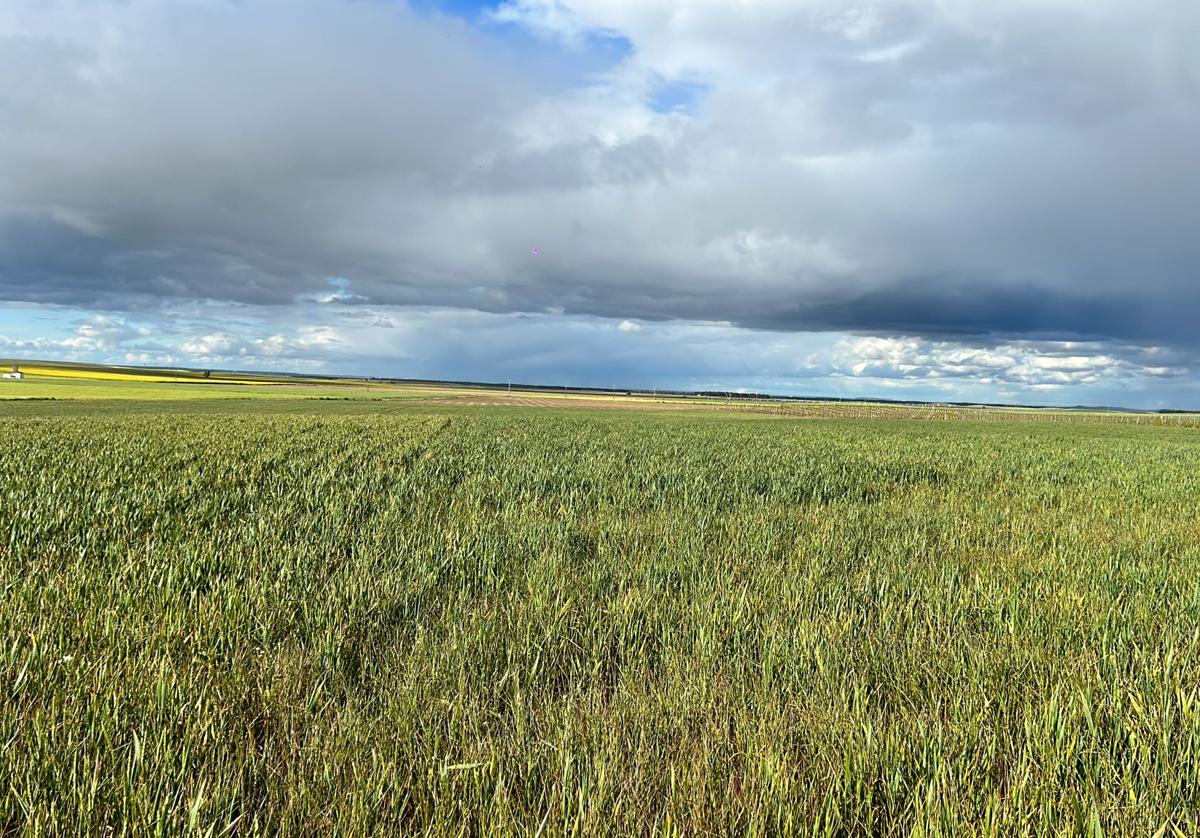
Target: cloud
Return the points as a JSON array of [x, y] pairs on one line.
[[94, 334], [548, 19], [213, 345], [103, 333], [1040, 366], [954, 173], [307, 344], [444, 343], [340, 293]]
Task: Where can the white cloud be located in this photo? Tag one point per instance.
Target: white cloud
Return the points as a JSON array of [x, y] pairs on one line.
[[1036, 366], [547, 18], [308, 344], [218, 344], [91, 335]]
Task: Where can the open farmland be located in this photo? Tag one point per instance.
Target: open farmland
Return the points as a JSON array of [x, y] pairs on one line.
[[361, 617]]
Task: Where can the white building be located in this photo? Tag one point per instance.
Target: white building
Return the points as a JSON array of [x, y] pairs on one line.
[[13, 375]]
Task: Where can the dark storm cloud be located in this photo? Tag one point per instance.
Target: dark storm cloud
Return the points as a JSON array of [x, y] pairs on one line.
[[936, 169], [46, 261], [955, 309]]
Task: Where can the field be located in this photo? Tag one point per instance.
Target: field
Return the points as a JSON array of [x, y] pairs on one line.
[[377, 615]]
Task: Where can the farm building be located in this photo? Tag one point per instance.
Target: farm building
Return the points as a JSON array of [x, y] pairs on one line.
[[13, 375]]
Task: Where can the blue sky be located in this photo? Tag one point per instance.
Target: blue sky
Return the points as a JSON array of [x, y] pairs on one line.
[[547, 61], [915, 199]]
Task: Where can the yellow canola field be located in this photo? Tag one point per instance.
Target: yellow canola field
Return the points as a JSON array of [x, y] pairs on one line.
[[112, 375]]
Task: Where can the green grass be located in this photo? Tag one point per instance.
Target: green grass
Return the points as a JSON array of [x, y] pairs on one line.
[[363, 618]]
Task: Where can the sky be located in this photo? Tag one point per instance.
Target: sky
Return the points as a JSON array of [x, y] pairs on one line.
[[917, 199]]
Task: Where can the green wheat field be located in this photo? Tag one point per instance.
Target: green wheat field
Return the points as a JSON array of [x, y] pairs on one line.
[[303, 617]]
